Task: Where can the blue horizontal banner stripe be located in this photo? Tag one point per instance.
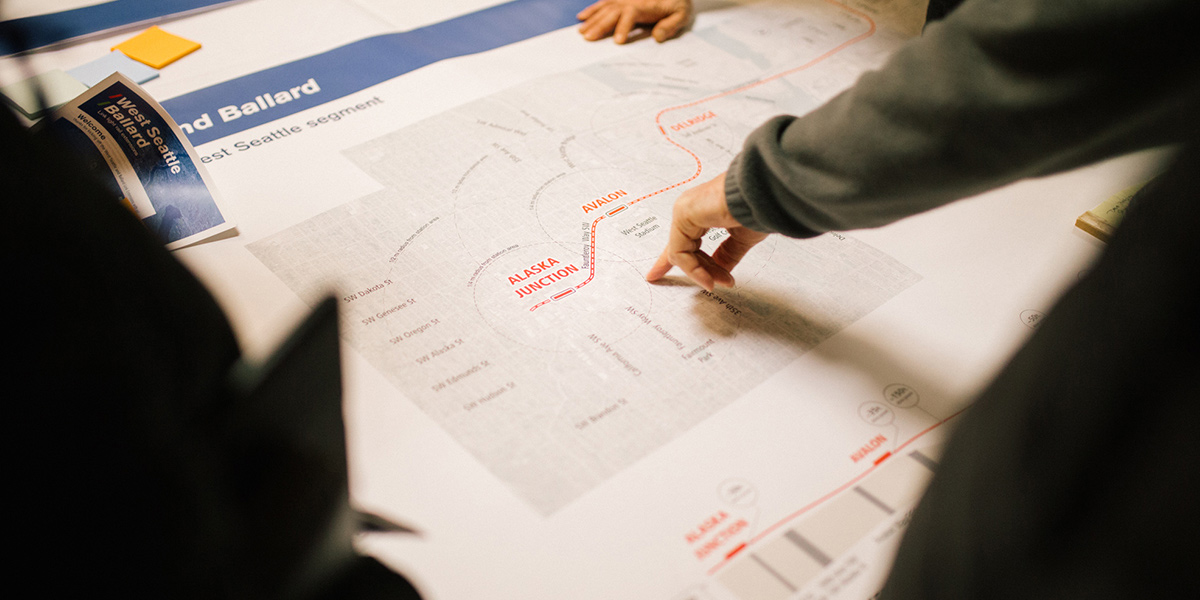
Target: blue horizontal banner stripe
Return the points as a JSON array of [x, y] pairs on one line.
[[28, 33], [362, 64]]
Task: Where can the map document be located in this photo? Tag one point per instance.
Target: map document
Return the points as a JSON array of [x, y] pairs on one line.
[[483, 192], [484, 202], [497, 278]]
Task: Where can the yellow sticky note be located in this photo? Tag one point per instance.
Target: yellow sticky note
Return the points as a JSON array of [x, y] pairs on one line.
[[156, 47], [1103, 220]]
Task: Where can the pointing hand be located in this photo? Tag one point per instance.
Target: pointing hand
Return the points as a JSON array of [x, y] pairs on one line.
[[696, 211]]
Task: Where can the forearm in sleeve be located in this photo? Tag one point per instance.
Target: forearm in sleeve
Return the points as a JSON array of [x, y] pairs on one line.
[[999, 91]]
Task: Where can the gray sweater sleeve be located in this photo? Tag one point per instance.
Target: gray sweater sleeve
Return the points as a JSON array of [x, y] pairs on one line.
[[999, 91]]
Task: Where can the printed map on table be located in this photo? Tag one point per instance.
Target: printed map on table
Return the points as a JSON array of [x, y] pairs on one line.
[[497, 278]]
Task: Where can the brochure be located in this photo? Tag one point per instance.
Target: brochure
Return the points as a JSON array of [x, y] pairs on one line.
[[133, 145]]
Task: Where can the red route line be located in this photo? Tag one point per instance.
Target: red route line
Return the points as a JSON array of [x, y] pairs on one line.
[[658, 118], [699, 169], [826, 497]]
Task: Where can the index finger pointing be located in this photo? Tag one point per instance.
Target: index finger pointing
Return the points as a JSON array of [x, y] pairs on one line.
[[660, 268]]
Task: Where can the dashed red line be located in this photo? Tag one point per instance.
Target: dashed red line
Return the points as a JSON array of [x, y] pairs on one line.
[[699, 167], [840, 489]]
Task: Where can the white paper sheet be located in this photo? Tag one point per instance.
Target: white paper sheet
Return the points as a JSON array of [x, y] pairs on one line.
[[498, 277], [781, 466]]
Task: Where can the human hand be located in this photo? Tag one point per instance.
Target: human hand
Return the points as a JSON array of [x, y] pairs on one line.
[[618, 17], [696, 211]]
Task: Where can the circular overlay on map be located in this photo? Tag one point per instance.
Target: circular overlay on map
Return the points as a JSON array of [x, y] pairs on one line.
[[567, 207], [625, 128], [529, 296]]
